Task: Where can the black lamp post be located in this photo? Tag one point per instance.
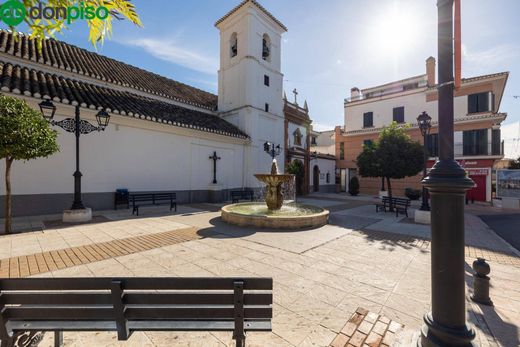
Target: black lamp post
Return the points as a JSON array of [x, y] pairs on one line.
[[271, 149], [77, 126], [424, 121], [447, 183]]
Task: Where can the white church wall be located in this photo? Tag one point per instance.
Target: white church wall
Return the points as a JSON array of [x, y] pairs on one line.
[[133, 154]]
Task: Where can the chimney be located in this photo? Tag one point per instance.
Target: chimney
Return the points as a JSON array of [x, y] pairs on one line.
[[354, 94], [430, 71]]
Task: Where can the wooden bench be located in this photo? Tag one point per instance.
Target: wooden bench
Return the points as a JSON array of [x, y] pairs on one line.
[[237, 195], [398, 204], [133, 304], [155, 199]]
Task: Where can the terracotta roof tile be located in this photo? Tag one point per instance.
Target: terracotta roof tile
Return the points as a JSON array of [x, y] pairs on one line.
[[257, 4], [67, 57], [39, 84]]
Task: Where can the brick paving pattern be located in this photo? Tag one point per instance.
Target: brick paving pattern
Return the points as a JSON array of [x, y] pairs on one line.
[[367, 329], [472, 252], [33, 264]]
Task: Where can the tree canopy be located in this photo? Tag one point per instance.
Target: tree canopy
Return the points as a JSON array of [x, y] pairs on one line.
[[515, 164], [393, 156], [24, 133], [98, 15]]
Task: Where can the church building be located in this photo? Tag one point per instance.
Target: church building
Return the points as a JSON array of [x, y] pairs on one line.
[[162, 133]]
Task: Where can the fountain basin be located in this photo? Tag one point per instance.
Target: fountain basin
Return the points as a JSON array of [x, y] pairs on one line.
[[290, 216]]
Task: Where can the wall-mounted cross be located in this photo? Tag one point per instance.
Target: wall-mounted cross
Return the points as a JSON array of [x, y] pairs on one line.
[[214, 157], [295, 92]]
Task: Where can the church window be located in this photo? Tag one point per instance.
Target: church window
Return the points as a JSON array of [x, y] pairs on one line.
[[266, 80], [266, 48], [266, 107], [233, 43]]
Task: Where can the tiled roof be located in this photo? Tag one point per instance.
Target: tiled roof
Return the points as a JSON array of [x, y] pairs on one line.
[[30, 82], [67, 57], [476, 78], [254, 2]]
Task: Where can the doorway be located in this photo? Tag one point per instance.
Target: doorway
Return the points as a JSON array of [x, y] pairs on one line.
[[316, 178]]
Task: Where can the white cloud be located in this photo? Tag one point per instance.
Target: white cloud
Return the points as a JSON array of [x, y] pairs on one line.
[[492, 58], [176, 54]]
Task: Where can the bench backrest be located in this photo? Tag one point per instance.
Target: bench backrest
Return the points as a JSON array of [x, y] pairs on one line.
[[246, 193], [153, 197], [401, 201], [126, 299]]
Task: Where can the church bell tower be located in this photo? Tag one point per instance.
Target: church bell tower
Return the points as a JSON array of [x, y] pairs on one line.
[[250, 83]]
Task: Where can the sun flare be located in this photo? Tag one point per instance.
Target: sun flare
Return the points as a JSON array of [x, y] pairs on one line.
[[394, 32]]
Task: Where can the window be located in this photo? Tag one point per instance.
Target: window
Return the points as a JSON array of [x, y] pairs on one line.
[[474, 142], [367, 143], [233, 44], [266, 80], [297, 137], [399, 114], [481, 102], [495, 142], [342, 150], [266, 48], [266, 107], [313, 140], [328, 177], [432, 142], [368, 119]]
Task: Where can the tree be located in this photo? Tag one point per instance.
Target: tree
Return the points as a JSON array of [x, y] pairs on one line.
[[297, 169], [515, 164], [394, 156], [98, 15], [24, 135], [353, 187]]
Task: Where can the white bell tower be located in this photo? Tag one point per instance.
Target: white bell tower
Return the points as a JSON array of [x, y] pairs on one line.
[[250, 83]]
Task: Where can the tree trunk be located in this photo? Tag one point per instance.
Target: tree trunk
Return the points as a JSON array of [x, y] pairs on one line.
[[7, 227], [389, 188]]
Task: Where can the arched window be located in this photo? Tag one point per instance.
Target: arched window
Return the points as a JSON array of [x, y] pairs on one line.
[[266, 48], [233, 44], [297, 137]]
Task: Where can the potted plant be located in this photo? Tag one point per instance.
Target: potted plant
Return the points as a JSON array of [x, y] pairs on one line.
[[412, 194]]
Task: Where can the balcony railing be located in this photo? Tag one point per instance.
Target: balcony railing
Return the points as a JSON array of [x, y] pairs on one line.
[[469, 150]]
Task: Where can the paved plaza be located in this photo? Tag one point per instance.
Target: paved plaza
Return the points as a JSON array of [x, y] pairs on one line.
[[363, 264]]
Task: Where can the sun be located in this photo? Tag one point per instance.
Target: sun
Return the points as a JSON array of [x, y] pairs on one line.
[[394, 32]]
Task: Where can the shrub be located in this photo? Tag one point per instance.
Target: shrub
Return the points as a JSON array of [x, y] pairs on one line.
[[353, 186], [412, 194]]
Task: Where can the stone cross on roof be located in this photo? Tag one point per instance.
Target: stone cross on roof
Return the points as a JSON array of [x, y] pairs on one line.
[[295, 92]]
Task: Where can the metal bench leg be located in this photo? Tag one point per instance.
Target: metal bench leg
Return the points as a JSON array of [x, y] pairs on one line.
[[58, 338], [238, 332]]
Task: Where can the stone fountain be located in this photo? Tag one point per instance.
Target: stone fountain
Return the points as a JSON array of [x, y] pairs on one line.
[[276, 215], [274, 181]]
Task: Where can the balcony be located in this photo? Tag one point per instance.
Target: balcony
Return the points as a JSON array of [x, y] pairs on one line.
[[474, 150]]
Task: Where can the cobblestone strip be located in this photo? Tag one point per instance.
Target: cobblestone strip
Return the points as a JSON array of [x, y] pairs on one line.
[[414, 241], [367, 329], [34, 264]]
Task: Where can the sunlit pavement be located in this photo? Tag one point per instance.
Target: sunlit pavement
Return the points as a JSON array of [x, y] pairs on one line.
[[321, 276]]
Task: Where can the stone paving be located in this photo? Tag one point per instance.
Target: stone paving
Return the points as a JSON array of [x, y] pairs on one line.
[[321, 276]]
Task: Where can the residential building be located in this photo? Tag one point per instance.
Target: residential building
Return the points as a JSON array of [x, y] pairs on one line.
[[477, 122]]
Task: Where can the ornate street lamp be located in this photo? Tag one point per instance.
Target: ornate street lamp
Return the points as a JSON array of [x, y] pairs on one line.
[[424, 121], [77, 126], [271, 149], [447, 183]]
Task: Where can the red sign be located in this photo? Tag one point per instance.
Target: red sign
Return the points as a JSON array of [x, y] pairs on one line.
[[477, 172]]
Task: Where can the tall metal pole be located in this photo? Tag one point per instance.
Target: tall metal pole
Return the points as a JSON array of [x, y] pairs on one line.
[[425, 206], [446, 324], [77, 204]]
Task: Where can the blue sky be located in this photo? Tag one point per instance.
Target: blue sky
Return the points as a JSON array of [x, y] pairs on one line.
[[331, 45]]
